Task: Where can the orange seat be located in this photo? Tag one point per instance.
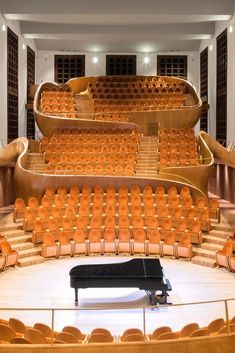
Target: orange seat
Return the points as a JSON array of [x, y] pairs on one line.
[[95, 241], [11, 256], [110, 243], [169, 244], [49, 246], [223, 255], [124, 242], [184, 247], [140, 243], [159, 331], [154, 242]]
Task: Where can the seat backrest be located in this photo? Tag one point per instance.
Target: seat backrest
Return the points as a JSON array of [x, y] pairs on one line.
[[17, 325], [227, 248], [133, 337], [139, 235], [35, 336], [6, 333], [48, 239], [19, 203], [45, 329], [170, 238], [20, 340], [167, 336], [74, 331], [199, 333], [66, 337], [32, 202], [159, 331], [188, 329], [185, 240], [5, 247], [216, 325], [99, 337]]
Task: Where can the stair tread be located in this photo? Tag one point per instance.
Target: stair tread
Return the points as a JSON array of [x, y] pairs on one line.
[[23, 246], [211, 246], [27, 261], [12, 233], [201, 260]]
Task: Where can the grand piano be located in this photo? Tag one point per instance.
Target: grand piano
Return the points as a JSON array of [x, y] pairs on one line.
[[145, 274]]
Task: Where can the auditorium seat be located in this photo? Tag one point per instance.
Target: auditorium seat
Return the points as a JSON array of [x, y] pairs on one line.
[[79, 243], [35, 336], [169, 244], [11, 256], [215, 325], [45, 329], [214, 210], [6, 334], [140, 242], [134, 337], [2, 262], [154, 242], [95, 241], [99, 338], [64, 244], [49, 246], [223, 255], [19, 210], [124, 242], [188, 329], [200, 332], [110, 241], [20, 340], [231, 262], [75, 332], [158, 332], [167, 336], [184, 247], [66, 337], [17, 325]]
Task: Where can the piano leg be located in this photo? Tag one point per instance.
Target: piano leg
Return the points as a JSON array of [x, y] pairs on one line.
[[152, 297], [76, 296]]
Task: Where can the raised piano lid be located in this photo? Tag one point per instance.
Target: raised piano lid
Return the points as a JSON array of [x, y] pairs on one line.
[[138, 268]]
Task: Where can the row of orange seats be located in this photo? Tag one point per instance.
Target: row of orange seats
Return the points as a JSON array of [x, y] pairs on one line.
[[95, 243], [174, 160], [88, 169], [16, 332], [112, 226], [112, 117], [101, 157]]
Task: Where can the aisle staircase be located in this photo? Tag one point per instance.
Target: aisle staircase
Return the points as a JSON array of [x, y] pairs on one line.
[[146, 164]]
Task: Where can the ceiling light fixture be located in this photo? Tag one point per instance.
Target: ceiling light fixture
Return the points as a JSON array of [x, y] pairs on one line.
[[95, 60]]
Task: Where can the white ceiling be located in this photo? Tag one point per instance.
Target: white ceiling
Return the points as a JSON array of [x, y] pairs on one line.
[[122, 26]]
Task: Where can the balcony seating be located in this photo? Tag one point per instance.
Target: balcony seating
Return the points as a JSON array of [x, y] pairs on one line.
[[158, 332], [188, 329], [6, 334]]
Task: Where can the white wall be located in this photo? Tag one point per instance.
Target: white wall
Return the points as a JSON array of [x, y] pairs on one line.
[[45, 64], [22, 80], [220, 27]]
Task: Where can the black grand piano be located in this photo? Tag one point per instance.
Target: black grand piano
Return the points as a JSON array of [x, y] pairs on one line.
[[145, 274]]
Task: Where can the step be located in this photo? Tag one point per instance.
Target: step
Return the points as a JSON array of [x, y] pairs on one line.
[[222, 226], [23, 246], [20, 239], [212, 239], [204, 252], [204, 261], [220, 233], [13, 233], [11, 226], [31, 260], [29, 252], [211, 246]]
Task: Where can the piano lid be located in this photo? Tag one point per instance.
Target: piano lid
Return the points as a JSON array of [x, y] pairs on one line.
[[138, 268]]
